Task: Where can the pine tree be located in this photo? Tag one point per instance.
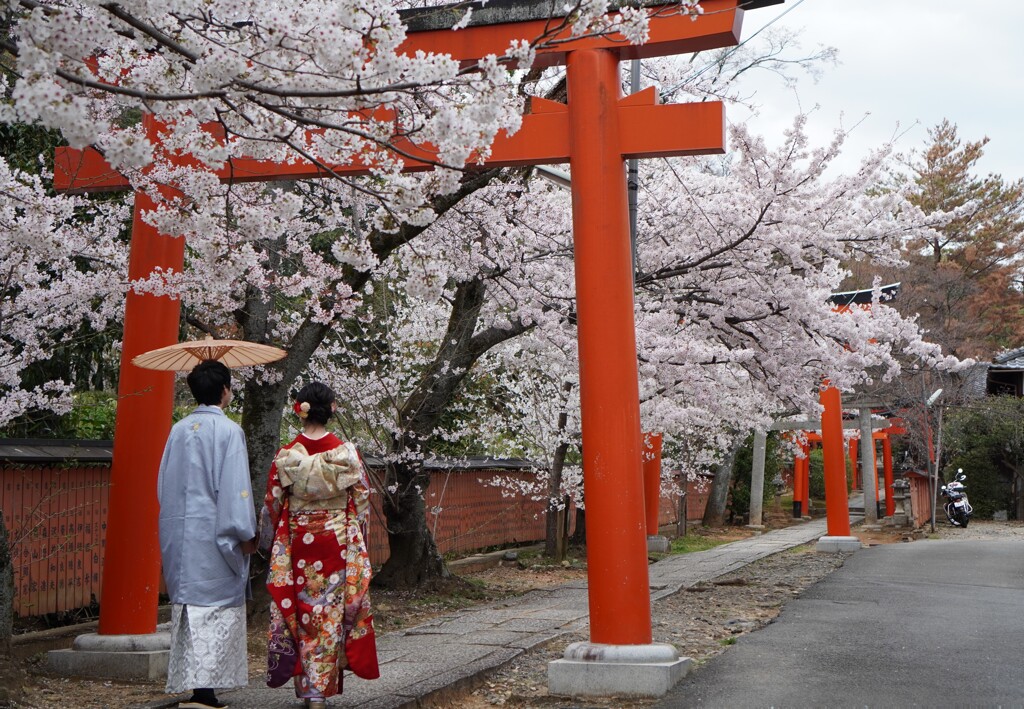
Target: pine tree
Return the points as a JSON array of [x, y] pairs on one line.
[[965, 280]]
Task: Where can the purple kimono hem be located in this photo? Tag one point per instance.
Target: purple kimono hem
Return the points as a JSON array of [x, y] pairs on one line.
[[281, 654]]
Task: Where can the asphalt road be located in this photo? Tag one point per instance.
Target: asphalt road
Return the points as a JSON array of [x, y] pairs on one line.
[[925, 624]]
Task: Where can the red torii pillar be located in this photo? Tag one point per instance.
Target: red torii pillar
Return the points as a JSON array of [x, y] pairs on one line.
[[836, 497], [887, 474], [805, 482], [652, 481], [805, 471], [801, 482], [851, 449], [837, 501], [896, 428], [595, 133]]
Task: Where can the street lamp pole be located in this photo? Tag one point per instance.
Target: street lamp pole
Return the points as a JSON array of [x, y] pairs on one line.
[[932, 456], [938, 458], [632, 170]]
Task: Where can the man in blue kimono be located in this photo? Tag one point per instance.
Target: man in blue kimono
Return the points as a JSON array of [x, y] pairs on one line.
[[207, 531]]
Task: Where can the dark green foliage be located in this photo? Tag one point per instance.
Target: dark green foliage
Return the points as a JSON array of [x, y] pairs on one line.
[[817, 475], [86, 359], [93, 416], [28, 148], [986, 439]]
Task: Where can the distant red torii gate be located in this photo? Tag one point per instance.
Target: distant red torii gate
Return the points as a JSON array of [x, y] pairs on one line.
[[595, 133]]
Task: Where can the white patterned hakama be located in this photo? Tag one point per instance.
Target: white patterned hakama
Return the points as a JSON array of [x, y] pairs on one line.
[[208, 648]]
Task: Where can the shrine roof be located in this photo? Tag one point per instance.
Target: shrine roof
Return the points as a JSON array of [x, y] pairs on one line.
[[497, 12], [472, 462], [1011, 359], [40, 450], [863, 297]]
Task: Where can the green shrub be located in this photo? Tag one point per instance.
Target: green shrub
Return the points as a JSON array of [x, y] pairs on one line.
[[986, 439], [92, 415], [817, 474]]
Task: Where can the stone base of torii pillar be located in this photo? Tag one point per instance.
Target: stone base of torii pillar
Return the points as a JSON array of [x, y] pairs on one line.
[[658, 544], [595, 670], [123, 657], [833, 544]]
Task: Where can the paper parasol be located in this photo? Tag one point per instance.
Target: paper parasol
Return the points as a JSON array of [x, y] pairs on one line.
[[184, 356]]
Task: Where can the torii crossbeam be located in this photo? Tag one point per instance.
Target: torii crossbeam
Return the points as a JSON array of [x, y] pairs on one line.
[[595, 132]]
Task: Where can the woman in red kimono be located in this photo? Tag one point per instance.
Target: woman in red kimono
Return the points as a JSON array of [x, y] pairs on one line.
[[316, 504]]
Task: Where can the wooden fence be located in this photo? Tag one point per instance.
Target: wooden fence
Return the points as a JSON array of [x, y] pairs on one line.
[[54, 500], [57, 518], [920, 499]]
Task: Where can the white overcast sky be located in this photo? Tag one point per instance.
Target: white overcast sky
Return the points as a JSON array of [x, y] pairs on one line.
[[909, 64]]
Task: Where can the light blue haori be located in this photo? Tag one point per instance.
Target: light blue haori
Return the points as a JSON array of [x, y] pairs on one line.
[[206, 510]]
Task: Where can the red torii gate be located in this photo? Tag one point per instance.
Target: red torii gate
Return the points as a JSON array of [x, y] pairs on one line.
[[834, 458], [595, 133], [800, 468]]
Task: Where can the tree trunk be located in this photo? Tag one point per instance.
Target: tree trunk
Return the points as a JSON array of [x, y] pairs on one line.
[[554, 528], [411, 543], [714, 513], [414, 560], [261, 421], [264, 403], [579, 535], [6, 590]]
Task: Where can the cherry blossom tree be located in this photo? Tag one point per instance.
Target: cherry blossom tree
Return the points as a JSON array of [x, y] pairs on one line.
[[737, 260], [62, 264], [327, 81], [736, 263], [737, 317], [441, 305]]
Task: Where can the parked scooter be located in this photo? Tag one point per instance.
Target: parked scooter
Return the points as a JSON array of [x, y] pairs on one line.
[[958, 509]]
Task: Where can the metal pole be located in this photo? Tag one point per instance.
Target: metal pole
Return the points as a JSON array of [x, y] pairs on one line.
[[933, 485], [933, 479], [938, 456], [632, 170]]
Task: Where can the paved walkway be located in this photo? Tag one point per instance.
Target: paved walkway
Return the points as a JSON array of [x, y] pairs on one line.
[[455, 649], [935, 624]]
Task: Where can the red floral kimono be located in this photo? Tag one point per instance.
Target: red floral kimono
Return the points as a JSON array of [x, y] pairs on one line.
[[320, 619]]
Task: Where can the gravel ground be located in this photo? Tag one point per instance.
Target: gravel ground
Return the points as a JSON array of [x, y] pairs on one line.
[[979, 530], [701, 622]]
